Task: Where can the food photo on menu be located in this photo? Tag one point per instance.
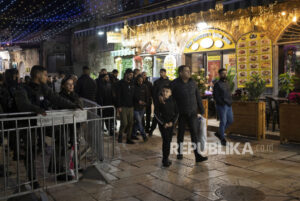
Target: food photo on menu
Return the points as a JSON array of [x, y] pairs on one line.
[[254, 66], [243, 74], [254, 73], [242, 66], [253, 51]]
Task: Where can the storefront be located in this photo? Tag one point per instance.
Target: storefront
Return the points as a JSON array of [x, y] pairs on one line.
[[4, 61], [123, 59], [210, 49]]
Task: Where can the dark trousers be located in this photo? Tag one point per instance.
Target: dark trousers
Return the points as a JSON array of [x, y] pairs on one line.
[[127, 120], [166, 134], [153, 125], [192, 122], [146, 121], [109, 123]]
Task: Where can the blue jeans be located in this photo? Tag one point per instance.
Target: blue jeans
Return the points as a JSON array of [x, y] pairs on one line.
[[138, 125], [226, 118]]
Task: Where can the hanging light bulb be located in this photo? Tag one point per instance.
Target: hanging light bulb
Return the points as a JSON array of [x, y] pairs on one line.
[[283, 13], [295, 19], [101, 33]]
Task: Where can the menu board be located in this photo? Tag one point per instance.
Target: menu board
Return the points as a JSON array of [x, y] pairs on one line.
[[170, 66], [213, 66], [254, 56]]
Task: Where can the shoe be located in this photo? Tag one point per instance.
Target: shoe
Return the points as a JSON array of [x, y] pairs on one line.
[[135, 138], [150, 133], [145, 139], [179, 156], [218, 135], [167, 163], [120, 139], [129, 142], [201, 159], [223, 142]]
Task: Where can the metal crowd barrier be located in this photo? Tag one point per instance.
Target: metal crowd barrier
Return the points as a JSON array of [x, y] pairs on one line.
[[41, 152]]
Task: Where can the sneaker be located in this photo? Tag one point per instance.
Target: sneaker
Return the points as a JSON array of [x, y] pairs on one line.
[[223, 142], [201, 158], [129, 142], [145, 139], [167, 163], [135, 138], [179, 156]]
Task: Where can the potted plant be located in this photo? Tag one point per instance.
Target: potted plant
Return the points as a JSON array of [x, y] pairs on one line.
[[248, 111], [286, 84]]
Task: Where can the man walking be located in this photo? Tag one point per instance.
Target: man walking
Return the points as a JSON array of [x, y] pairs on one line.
[[86, 87], [156, 91], [125, 93], [146, 121], [222, 96], [189, 102]]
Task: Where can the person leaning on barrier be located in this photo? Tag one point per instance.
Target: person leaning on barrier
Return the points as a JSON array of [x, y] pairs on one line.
[[86, 87], [37, 97]]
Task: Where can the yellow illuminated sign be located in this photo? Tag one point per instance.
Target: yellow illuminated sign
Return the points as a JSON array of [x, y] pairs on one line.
[[210, 40]]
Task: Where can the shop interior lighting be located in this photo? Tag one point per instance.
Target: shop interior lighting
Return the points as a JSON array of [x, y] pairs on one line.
[[117, 29], [283, 13], [202, 25], [101, 33], [295, 19]]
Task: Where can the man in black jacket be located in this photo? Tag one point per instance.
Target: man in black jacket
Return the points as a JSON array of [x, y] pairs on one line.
[[86, 87], [189, 102], [146, 121], [105, 98], [125, 95], [156, 90], [37, 97], [222, 96], [140, 99]]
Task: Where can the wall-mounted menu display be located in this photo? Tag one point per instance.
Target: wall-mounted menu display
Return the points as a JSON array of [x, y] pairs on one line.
[[254, 56]]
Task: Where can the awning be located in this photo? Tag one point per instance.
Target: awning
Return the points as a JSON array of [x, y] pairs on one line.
[[232, 5]]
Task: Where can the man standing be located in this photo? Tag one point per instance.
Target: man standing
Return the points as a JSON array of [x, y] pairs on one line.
[[189, 102], [57, 84], [125, 93], [156, 90], [148, 84], [222, 96], [86, 87]]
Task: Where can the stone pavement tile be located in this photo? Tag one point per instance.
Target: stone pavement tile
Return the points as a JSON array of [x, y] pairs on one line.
[[209, 195], [276, 155], [151, 196], [132, 180], [296, 194], [295, 158], [266, 178], [206, 175], [272, 166], [72, 194], [277, 198], [120, 193], [271, 192], [123, 165], [154, 162], [135, 172], [128, 199], [213, 165], [198, 198], [236, 171], [209, 185], [182, 169], [132, 158], [168, 190], [187, 162], [172, 177], [241, 181], [285, 185], [92, 187]]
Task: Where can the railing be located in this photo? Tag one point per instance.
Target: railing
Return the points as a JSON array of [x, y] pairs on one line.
[[41, 152]]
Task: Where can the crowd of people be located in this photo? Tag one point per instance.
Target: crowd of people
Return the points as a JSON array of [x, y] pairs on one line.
[[176, 102]]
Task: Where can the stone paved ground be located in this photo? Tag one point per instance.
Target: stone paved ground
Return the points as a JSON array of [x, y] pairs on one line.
[[136, 174]]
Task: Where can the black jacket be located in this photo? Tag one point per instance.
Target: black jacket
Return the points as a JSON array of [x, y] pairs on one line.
[[105, 94], [140, 94], [157, 87], [125, 93], [7, 98], [222, 93], [38, 98], [73, 97], [167, 112], [149, 90], [187, 97], [86, 88]]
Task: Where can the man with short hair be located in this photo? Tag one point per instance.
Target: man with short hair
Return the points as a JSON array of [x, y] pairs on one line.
[[223, 98], [189, 102], [156, 91], [125, 94], [86, 87]]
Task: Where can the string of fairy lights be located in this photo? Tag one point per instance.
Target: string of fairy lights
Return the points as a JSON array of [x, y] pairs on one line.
[[26, 21]]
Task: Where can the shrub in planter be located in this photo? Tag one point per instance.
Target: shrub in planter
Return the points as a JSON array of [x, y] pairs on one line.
[[255, 87], [286, 84]]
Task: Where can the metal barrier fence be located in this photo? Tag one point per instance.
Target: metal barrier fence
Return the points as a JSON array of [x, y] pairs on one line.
[[41, 152]]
